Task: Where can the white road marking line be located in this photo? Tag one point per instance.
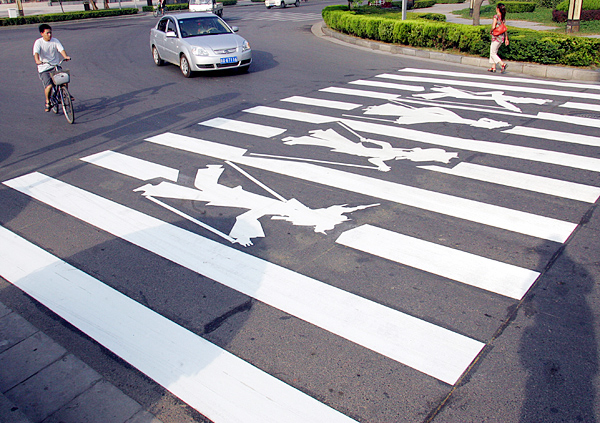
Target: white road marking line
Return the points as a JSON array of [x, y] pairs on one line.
[[515, 151], [554, 135], [131, 166], [360, 93], [330, 104], [574, 120], [474, 211], [583, 106], [290, 114], [527, 81], [218, 384], [506, 150], [535, 183], [491, 275], [495, 86], [390, 85], [433, 350], [243, 127], [282, 16]]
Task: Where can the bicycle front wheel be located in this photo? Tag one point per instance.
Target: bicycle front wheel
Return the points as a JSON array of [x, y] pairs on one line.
[[67, 104]]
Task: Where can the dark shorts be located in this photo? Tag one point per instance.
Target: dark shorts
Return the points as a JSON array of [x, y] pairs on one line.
[[46, 78]]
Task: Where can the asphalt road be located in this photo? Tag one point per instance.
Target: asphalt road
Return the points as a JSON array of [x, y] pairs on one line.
[[123, 100]]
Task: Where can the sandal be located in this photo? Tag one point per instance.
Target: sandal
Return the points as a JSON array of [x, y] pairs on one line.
[[48, 107], [492, 70], [504, 66]]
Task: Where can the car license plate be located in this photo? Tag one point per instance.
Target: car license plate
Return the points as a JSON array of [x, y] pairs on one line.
[[229, 59]]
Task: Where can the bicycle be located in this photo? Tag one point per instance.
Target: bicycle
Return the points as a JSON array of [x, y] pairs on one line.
[[59, 93], [158, 11]]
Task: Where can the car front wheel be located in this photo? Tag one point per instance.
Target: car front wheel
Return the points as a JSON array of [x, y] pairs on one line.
[[157, 60], [282, 4], [184, 65], [297, 3]]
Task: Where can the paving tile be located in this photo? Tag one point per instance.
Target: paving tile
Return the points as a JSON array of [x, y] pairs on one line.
[[53, 387], [10, 413], [102, 403], [4, 310], [14, 329], [143, 417], [27, 358]]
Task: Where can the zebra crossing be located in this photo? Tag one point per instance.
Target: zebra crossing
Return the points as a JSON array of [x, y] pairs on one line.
[[280, 16], [356, 140]]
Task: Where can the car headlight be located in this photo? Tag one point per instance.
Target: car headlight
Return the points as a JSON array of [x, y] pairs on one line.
[[199, 51], [245, 46]]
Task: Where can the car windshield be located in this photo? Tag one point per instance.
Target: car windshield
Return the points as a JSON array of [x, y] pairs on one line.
[[209, 25]]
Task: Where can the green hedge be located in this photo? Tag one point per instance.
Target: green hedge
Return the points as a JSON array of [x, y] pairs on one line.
[[67, 16], [525, 45], [422, 4], [587, 5], [519, 6], [178, 6]]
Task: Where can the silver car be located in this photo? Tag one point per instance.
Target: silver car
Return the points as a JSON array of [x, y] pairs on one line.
[[198, 42]]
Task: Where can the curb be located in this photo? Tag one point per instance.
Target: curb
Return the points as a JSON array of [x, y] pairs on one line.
[[320, 29]]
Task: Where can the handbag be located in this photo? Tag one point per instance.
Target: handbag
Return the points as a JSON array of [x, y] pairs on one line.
[[499, 30]]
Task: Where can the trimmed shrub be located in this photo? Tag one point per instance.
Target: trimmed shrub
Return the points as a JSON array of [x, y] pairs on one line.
[[526, 45], [587, 5], [586, 15], [519, 6], [421, 4], [179, 6], [67, 16]]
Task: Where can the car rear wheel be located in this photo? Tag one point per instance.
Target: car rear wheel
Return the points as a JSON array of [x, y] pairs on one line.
[[184, 65], [282, 3], [157, 60], [297, 3]]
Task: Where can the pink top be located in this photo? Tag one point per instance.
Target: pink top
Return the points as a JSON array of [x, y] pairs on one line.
[[499, 38]]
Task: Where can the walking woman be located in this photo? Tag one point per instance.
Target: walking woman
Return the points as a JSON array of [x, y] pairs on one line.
[[499, 36]]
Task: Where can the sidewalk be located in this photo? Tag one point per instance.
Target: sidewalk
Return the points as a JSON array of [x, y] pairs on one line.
[[42, 382]]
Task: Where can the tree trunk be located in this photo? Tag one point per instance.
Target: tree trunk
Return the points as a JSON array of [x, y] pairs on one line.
[[476, 11]]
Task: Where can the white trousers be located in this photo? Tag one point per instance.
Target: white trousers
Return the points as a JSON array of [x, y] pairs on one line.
[[494, 58]]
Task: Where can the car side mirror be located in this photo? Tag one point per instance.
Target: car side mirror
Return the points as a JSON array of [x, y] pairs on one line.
[[235, 29], [171, 34]]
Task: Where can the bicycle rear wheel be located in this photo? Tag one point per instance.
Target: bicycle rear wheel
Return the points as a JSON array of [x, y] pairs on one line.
[[67, 104]]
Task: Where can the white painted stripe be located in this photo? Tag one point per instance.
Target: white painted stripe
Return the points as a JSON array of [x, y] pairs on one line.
[[330, 104], [131, 166], [535, 183], [290, 114], [243, 127], [582, 106], [391, 85], [574, 120], [428, 348], [491, 86], [360, 93], [554, 135], [515, 151], [494, 276], [218, 384], [528, 81], [487, 214], [506, 150]]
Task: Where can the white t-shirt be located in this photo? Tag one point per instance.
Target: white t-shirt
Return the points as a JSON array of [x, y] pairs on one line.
[[49, 51]]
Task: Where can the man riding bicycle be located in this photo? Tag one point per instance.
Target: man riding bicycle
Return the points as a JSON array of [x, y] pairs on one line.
[[47, 52]]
